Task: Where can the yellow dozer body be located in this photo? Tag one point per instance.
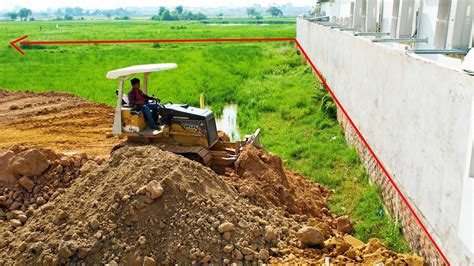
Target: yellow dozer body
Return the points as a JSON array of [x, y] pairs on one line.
[[181, 129]]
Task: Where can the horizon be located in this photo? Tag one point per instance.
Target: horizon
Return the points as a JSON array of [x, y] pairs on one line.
[[42, 5]]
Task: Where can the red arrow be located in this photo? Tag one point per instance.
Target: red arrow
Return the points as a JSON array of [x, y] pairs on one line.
[[16, 47], [144, 41]]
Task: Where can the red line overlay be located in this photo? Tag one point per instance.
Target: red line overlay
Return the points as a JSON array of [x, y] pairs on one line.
[[263, 40], [371, 151], [163, 41]]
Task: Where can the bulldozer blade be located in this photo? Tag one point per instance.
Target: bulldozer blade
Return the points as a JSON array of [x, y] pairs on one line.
[[254, 139]]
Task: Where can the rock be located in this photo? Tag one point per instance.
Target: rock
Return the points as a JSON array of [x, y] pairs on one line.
[[247, 251], [40, 201], [154, 189], [206, 259], [225, 227], [142, 241], [247, 191], [15, 223], [94, 223], [228, 249], [65, 162], [5, 175], [26, 183], [13, 107], [23, 218], [64, 251], [310, 236], [270, 234], [22, 247], [15, 206], [61, 217], [343, 225], [149, 261], [112, 263], [226, 235], [263, 255], [354, 242], [29, 163], [88, 167], [237, 255]]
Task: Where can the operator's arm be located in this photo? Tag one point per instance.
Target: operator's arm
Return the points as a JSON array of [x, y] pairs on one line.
[[132, 100], [148, 98]]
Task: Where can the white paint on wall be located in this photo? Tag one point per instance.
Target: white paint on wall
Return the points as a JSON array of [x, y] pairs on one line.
[[416, 116]]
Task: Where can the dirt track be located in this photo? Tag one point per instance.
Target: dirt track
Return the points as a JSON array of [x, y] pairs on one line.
[[59, 121]]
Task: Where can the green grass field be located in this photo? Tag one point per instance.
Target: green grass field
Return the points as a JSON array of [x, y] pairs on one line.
[[275, 91]]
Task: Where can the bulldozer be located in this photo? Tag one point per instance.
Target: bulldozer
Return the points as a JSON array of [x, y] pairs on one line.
[[181, 128]]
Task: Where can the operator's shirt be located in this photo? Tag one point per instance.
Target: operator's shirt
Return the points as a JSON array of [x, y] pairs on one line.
[[139, 98]]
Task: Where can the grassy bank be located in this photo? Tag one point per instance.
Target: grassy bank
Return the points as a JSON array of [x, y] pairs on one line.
[[274, 89]]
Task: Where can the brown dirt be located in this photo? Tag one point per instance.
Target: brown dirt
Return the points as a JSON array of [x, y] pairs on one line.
[[58, 121], [144, 206]]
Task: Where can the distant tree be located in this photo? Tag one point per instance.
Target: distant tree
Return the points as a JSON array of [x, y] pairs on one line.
[[12, 15], [24, 13], [251, 12], [258, 15], [220, 15], [179, 9], [166, 16], [175, 15], [122, 18], [108, 14], [200, 16], [161, 11], [68, 17], [188, 15], [275, 11]]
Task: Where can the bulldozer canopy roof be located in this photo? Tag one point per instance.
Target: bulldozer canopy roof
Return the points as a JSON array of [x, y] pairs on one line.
[[124, 72]]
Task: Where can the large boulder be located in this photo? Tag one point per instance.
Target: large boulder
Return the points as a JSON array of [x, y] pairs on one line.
[[310, 235], [5, 175], [31, 162]]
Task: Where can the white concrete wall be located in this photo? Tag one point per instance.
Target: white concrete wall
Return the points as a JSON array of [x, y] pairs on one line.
[[417, 116]]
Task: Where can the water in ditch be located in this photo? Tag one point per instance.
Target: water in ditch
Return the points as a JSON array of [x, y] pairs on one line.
[[227, 122]]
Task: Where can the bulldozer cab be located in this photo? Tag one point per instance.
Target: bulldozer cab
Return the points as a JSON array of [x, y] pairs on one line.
[[122, 103], [182, 129]]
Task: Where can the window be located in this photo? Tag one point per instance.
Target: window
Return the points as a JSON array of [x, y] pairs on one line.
[[441, 31], [394, 22], [459, 31], [405, 18]]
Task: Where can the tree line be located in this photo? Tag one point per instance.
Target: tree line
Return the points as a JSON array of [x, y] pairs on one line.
[[177, 14], [164, 14], [272, 10], [23, 14]]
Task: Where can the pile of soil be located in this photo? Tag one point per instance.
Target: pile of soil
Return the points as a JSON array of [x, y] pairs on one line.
[[148, 206], [30, 177], [58, 121], [260, 176]]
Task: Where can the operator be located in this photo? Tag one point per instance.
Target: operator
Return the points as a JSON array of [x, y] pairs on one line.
[[140, 101]]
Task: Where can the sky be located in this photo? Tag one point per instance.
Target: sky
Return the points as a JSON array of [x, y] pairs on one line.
[[112, 4]]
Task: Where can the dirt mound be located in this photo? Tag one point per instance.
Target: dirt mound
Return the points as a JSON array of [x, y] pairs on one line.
[[30, 177], [147, 206], [260, 176], [149, 203], [58, 121]]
